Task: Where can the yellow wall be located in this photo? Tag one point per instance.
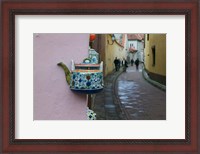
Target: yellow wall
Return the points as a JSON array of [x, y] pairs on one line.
[[112, 51], [159, 40]]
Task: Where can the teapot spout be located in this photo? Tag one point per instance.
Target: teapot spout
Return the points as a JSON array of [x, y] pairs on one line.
[[67, 72]]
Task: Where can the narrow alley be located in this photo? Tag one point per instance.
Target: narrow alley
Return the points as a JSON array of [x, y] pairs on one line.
[[127, 95], [90, 82]]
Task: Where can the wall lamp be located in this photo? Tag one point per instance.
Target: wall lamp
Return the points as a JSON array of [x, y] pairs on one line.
[[113, 39]]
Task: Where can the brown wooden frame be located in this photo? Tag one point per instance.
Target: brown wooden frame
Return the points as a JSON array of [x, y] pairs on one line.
[[117, 7]]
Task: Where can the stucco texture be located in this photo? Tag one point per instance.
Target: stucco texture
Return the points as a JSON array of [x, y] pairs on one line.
[[111, 52], [53, 100], [159, 41]]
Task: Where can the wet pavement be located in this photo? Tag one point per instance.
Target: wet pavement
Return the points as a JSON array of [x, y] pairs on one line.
[[106, 105], [127, 95]]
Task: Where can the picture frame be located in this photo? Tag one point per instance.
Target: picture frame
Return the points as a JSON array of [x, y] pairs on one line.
[[11, 8]]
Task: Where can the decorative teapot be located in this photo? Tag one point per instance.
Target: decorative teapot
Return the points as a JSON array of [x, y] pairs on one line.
[[85, 78]]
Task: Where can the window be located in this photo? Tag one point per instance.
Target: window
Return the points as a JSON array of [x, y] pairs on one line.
[[147, 37], [153, 49]]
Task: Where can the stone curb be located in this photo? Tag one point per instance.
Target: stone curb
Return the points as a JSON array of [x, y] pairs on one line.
[[116, 95], [154, 83], [117, 74]]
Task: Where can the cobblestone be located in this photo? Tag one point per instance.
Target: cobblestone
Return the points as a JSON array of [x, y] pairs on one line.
[[128, 96]]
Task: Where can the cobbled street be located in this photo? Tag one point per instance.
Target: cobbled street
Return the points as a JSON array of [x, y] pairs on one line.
[[128, 96]]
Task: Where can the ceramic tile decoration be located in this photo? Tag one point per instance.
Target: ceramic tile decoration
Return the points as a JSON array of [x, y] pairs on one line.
[[86, 81], [84, 78], [94, 56]]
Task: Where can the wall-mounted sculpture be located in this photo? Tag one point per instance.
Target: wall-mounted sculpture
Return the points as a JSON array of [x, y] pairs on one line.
[[84, 78]]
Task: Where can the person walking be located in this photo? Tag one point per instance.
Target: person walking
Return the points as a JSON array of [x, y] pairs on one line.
[[137, 63], [116, 62], [122, 61], [125, 65], [119, 64], [132, 61]]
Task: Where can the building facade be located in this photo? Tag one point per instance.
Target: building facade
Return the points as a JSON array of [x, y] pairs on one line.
[[108, 49], [136, 46], [155, 57]]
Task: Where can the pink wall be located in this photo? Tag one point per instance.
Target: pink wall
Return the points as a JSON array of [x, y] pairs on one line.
[[53, 100]]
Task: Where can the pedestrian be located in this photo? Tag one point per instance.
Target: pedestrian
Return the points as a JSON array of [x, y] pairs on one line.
[[132, 61], [119, 63], [122, 62], [125, 65], [116, 62], [137, 63]]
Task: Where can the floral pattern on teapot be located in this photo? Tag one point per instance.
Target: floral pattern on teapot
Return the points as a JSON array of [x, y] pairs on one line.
[[86, 80]]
